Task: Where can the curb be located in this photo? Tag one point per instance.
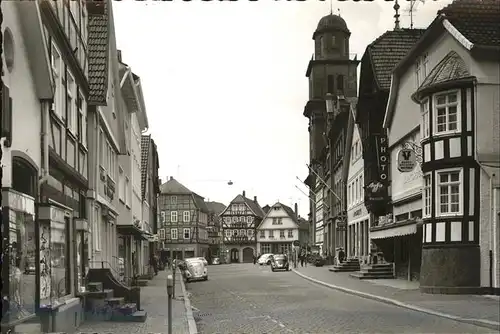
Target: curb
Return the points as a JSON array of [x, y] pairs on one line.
[[193, 329], [477, 322]]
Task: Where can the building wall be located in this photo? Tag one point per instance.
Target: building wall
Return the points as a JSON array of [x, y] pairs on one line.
[[26, 110]]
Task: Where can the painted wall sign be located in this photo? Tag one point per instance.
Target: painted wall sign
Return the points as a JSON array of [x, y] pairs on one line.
[[406, 160]]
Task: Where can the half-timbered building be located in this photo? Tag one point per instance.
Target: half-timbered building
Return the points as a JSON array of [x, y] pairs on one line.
[[183, 222], [456, 89], [239, 223], [214, 229]]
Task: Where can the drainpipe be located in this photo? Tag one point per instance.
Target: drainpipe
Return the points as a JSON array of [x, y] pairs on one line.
[[45, 140]]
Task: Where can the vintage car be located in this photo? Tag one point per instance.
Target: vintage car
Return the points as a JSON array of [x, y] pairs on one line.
[[194, 269], [280, 262], [265, 259]]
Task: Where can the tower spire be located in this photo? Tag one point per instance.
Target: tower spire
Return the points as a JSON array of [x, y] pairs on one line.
[[331, 7], [396, 16]]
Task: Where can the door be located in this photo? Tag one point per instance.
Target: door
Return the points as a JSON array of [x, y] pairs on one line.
[[235, 255], [248, 255]]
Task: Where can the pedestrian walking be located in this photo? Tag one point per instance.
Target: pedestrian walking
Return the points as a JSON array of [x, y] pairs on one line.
[[341, 255], [254, 259], [302, 260]]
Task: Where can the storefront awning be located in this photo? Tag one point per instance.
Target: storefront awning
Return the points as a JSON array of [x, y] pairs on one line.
[[396, 231], [131, 230]]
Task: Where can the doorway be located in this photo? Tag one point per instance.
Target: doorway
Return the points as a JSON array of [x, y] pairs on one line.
[[235, 255]]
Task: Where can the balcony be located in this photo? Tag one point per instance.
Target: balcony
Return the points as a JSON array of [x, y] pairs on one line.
[[238, 240]]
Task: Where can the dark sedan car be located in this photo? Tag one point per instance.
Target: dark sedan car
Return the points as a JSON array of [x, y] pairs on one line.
[[279, 262]]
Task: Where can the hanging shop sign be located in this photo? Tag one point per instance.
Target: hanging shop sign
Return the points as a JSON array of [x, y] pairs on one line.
[[407, 160]]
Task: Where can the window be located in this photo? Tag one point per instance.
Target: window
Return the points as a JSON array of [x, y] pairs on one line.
[[427, 195], [361, 188], [271, 234], [173, 234], [446, 112], [250, 233], [162, 216], [340, 83], [356, 189], [161, 234], [333, 41], [424, 66], [56, 64], [448, 189], [70, 102], [262, 233], [173, 200], [425, 119], [349, 199], [243, 232], [330, 84], [186, 216], [227, 233], [235, 233], [321, 44], [173, 216], [290, 233], [187, 233], [282, 234], [417, 73]]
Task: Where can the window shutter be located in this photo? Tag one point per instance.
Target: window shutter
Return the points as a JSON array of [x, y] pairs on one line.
[[6, 116]]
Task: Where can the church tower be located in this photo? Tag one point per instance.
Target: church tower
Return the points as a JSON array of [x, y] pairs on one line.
[[331, 71]]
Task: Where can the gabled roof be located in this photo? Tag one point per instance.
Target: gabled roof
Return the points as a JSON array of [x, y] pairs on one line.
[[387, 50], [266, 208], [476, 20], [215, 207], [254, 206], [451, 68], [174, 187], [98, 52], [290, 213], [145, 144]]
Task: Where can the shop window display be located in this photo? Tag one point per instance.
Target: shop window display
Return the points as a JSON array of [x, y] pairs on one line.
[[19, 256]]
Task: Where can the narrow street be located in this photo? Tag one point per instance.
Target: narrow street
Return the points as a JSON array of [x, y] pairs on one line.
[[243, 298]]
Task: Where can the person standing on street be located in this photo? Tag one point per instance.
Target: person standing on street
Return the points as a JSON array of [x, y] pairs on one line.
[[254, 259]]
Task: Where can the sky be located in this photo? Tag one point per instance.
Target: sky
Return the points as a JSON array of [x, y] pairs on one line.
[[225, 87]]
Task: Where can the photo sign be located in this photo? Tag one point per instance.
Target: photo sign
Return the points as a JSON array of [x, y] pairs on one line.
[[407, 160], [376, 190]]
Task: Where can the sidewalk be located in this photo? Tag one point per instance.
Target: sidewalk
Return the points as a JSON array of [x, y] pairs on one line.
[[154, 302], [479, 310]]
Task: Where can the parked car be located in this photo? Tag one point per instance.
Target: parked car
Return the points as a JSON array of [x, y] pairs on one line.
[[194, 269], [265, 259], [202, 259], [280, 262], [215, 260]]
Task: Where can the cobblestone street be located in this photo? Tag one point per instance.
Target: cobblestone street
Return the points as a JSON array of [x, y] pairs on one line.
[[154, 301], [244, 298]]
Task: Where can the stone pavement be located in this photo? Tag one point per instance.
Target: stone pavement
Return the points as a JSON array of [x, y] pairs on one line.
[[154, 302], [479, 310], [248, 299]]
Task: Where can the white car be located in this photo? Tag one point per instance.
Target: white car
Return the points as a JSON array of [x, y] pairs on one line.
[[195, 270], [265, 259], [202, 259]]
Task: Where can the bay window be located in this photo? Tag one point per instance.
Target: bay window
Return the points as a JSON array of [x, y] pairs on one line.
[[446, 112], [449, 192]]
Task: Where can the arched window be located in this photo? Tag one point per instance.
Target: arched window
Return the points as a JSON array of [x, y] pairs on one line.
[[23, 176]]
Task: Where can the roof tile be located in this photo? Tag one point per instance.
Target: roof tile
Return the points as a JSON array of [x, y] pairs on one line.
[[477, 20], [98, 56], [388, 49], [145, 141]]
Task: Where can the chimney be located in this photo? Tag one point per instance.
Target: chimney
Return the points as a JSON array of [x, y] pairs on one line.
[[119, 53], [171, 178], [243, 193], [255, 199], [296, 210]]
